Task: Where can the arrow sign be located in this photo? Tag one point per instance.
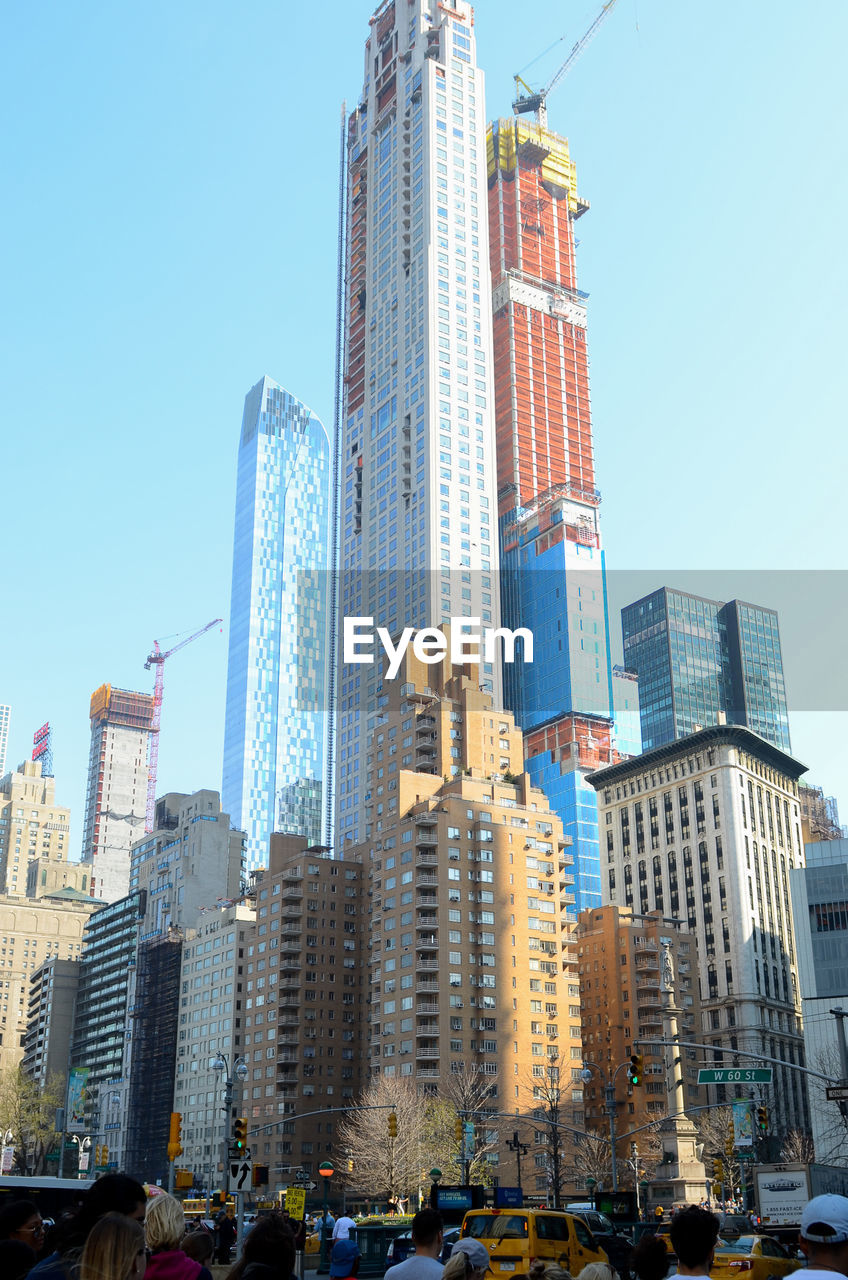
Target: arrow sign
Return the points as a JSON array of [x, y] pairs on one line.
[[240, 1173]]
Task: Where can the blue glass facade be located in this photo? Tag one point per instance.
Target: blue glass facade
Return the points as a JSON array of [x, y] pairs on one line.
[[553, 582], [701, 660], [276, 715]]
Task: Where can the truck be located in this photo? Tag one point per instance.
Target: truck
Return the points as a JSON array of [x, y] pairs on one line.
[[782, 1190]]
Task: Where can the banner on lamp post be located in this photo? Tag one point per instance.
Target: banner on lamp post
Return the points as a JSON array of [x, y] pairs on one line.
[[77, 1094], [743, 1128]]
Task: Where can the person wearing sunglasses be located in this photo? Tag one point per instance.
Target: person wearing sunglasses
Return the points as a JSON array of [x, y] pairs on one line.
[[22, 1221]]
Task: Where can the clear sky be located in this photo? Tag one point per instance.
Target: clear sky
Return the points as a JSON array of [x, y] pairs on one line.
[[168, 235]]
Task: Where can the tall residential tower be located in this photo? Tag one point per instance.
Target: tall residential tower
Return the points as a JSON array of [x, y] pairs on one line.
[[417, 450], [553, 578], [277, 677], [116, 794]]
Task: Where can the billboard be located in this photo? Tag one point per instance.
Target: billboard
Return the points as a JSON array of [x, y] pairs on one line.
[[77, 1095], [743, 1129]]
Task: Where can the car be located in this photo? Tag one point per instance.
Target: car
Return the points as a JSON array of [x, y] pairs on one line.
[[733, 1225], [516, 1236], [755, 1257], [617, 1246], [399, 1249], [449, 1240]]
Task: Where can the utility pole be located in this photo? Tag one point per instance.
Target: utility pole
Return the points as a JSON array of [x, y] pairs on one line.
[[520, 1149], [840, 1016]]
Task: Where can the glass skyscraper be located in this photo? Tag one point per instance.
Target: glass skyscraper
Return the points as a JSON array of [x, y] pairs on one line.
[[275, 766], [702, 662]]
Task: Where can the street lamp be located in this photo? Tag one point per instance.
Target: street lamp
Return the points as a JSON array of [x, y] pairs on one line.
[[609, 1099], [221, 1066]]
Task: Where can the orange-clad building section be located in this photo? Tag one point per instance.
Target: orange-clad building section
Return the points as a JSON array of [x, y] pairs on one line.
[[542, 406]]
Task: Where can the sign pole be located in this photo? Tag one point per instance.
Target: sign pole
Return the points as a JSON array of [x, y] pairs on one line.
[[326, 1170]]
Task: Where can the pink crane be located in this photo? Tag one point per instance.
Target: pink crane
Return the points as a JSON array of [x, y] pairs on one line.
[[157, 659]]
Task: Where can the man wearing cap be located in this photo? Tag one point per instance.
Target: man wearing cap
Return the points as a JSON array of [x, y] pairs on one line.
[[427, 1236], [824, 1237], [344, 1261]]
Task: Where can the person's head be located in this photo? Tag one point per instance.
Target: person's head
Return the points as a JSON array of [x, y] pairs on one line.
[[650, 1258], [344, 1260], [598, 1271], [271, 1242], [542, 1270], [114, 1193], [21, 1220], [114, 1250], [469, 1260], [198, 1245], [824, 1232], [164, 1224], [693, 1233], [427, 1230]]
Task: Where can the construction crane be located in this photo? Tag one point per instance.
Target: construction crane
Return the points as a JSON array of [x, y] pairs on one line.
[[157, 659], [536, 100]]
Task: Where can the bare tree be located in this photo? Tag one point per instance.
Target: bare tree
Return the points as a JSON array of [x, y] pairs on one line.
[[385, 1167], [798, 1147], [29, 1113], [714, 1128], [591, 1157], [468, 1092], [547, 1094], [832, 1127]]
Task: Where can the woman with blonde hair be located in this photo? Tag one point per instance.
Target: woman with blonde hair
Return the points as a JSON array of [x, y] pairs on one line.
[[598, 1271], [541, 1270], [469, 1260], [114, 1250], [164, 1228]]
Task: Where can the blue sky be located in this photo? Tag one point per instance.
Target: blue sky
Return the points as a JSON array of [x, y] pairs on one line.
[[168, 236]]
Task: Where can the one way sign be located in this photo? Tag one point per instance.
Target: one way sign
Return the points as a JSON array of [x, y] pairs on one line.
[[240, 1173]]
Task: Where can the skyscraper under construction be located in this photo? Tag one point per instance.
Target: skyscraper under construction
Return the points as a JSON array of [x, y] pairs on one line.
[[552, 561]]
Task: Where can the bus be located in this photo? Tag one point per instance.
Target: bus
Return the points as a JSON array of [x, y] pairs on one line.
[[51, 1196]]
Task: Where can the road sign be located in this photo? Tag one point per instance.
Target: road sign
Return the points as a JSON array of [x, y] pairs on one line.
[[747, 1154], [836, 1092], [735, 1075], [240, 1173], [296, 1202]]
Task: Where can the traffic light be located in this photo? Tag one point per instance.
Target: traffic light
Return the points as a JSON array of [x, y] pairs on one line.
[[457, 1127], [240, 1134], [174, 1135], [718, 1169], [350, 1164], [392, 1125], [104, 1155], [635, 1070], [762, 1119], [728, 1146], [97, 1156]]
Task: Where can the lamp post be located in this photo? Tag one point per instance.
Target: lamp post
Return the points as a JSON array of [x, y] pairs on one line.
[[520, 1149], [326, 1170], [609, 1099], [221, 1066]]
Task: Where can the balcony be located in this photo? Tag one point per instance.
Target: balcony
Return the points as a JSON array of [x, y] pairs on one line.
[[427, 920], [427, 966], [426, 1031], [427, 986], [427, 860], [427, 878], [428, 942], [425, 1051]]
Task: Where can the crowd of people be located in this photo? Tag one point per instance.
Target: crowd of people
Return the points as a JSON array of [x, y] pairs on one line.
[[118, 1233]]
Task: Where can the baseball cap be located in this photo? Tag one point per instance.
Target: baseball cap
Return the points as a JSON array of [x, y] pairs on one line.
[[825, 1220], [345, 1252], [477, 1253]]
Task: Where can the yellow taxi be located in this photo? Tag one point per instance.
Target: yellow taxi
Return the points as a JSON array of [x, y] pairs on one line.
[[752, 1257], [515, 1236]]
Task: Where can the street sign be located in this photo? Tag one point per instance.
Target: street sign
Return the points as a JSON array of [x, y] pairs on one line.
[[735, 1075], [240, 1173], [307, 1186], [836, 1092], [746, 1154], [296, 1202]]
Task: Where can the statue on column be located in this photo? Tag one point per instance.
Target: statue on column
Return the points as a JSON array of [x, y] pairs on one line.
[[667, 970]]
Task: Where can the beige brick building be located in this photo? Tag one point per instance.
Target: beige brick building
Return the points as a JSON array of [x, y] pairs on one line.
[[32, 825], [471, 962], [304, 1003], [618, 956]]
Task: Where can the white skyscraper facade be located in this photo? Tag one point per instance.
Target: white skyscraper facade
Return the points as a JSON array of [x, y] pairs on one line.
[[417, 452]]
